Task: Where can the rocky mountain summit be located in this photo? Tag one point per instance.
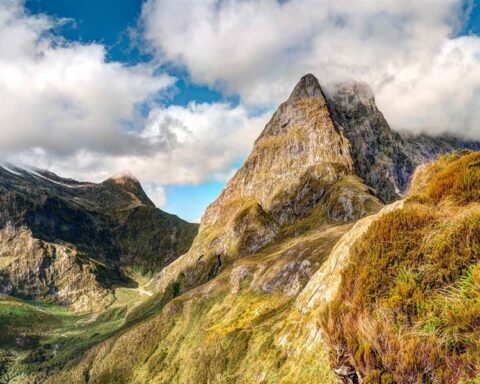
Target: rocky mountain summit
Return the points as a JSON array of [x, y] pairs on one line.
[[384, 158], [71, 242], [331, 152]]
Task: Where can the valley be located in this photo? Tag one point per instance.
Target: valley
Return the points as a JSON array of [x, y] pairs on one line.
[[340, 251]]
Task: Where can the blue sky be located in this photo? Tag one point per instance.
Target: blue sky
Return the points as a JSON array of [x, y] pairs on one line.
[[472, 26], [108, 22], [231, 81]]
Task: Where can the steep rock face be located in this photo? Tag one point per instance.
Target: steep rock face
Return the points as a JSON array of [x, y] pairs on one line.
[[377, 151], [300, 161], [298, 155], [318, 150], [384, 158], [32, 268], [57, 230]]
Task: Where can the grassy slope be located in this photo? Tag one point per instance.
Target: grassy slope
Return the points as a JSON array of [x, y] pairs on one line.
[[228, 330], [37, 337], [416, 319], [233, 329]]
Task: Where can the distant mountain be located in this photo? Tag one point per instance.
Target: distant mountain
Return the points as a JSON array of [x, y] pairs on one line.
[[70, 242]]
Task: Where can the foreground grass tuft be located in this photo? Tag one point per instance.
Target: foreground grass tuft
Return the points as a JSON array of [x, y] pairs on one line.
[[408, 308]]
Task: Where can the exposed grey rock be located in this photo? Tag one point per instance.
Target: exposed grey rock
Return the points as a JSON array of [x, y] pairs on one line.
[[307, 88], [71, 242], [288, 278], [384, 158], [347, 374], [238, 275]]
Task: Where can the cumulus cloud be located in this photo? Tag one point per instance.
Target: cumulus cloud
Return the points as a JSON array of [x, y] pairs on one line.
[[197, 142], [156, 193], [63, 96], [66, 108], [425, 77]]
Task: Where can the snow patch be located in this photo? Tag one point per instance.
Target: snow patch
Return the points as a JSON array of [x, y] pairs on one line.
[[37, 174], [10, 170]]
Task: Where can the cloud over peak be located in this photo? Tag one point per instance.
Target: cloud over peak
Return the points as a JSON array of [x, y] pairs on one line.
[[408, 51], [67, 108]]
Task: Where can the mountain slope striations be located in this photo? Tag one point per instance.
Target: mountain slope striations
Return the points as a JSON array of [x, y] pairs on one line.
[[71, 243]]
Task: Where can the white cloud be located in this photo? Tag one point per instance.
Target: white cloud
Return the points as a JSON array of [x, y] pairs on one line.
[[157, 194], [65, 108], [424, 77], [442, 96], [197, 142], [203, 138], [65, 97]]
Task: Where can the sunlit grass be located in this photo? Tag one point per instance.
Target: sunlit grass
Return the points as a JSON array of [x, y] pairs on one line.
[[408, 309]]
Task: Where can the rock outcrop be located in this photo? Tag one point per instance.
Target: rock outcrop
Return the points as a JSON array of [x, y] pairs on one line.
[[384, 158], [50, 272], [72, 243], [300, 161]]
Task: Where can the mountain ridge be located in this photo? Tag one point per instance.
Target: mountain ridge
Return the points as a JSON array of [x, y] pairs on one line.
[[80, 230], [266, 291]]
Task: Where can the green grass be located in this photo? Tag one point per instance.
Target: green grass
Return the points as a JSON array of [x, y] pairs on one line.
[[40, 337], [408, 307], [211, 335]]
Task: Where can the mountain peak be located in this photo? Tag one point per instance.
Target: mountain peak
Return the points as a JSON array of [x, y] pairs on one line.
[[128, 186], [307, 88], [300, 146], [123, 179]]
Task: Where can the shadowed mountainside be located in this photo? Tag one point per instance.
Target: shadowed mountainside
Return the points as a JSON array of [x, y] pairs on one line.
[[69, 242]]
